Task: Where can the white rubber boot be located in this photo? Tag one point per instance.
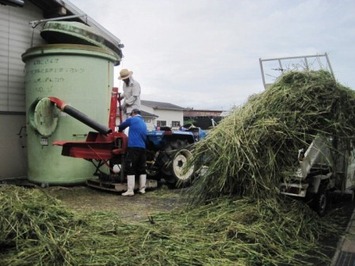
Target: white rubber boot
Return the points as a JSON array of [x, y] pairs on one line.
[[142, 183], [130, 186]]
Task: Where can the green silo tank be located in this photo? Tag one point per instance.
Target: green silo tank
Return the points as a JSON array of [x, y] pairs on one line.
[[80, 75]]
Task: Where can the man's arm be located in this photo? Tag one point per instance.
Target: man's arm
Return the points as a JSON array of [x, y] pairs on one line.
[[124, 125], [130, 100]]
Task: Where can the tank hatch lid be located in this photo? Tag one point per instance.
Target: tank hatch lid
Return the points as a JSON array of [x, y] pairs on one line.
[[43, 116], [71, 32]]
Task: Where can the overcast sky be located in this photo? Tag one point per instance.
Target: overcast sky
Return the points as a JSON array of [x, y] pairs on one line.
[[205, 54]]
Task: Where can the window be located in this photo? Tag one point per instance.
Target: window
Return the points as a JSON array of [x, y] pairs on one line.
[[175, 123], [161, 123]]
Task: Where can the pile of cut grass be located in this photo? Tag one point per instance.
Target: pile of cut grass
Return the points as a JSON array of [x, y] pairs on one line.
[[38, 230], [34, 227], [256, 146]]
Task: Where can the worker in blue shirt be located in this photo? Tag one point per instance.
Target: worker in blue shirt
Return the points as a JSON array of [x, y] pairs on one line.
[[135, 162]]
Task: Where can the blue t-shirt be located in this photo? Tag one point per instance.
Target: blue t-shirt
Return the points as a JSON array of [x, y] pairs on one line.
[[137, 134]]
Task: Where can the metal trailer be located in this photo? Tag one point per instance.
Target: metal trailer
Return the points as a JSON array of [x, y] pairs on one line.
[[326, 167]]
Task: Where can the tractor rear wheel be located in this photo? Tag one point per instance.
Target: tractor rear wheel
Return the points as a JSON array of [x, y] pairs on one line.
[[182, 172], [176, 171]]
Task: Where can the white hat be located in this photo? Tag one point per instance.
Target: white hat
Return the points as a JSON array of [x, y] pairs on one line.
[[125, 74]]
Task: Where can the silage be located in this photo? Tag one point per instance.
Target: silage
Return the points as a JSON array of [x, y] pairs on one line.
[[35, 227], [39, 230], [256, 146]]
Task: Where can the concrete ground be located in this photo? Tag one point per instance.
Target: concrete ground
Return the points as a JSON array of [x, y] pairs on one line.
[[345, 254]]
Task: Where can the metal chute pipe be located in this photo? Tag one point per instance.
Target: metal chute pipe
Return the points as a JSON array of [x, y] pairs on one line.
[[80, 116]]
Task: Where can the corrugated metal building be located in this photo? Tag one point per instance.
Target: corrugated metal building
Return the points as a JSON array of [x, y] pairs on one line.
[[205, 119]]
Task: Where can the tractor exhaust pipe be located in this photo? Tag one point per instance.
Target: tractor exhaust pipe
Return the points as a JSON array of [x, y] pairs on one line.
[[80, 116]]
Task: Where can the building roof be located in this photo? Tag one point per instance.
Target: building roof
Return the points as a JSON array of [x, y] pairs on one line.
[[147, 114], [66, 11], [162, 105], [203, 113]]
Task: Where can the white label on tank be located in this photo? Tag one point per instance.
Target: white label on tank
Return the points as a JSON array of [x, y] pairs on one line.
[[44, 141]]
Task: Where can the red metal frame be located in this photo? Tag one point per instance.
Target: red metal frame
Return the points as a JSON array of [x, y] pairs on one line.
[[113, 109], [97, 146]]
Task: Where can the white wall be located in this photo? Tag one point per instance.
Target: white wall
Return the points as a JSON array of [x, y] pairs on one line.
[[151, 123], [166, 115], [169, 116]]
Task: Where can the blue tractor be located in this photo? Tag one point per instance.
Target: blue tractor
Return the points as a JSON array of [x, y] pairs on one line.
[[168, 152]]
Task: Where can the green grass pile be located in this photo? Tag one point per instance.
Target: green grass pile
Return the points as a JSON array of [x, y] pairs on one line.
[[34, 227], [38, 230], [256, 146]]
